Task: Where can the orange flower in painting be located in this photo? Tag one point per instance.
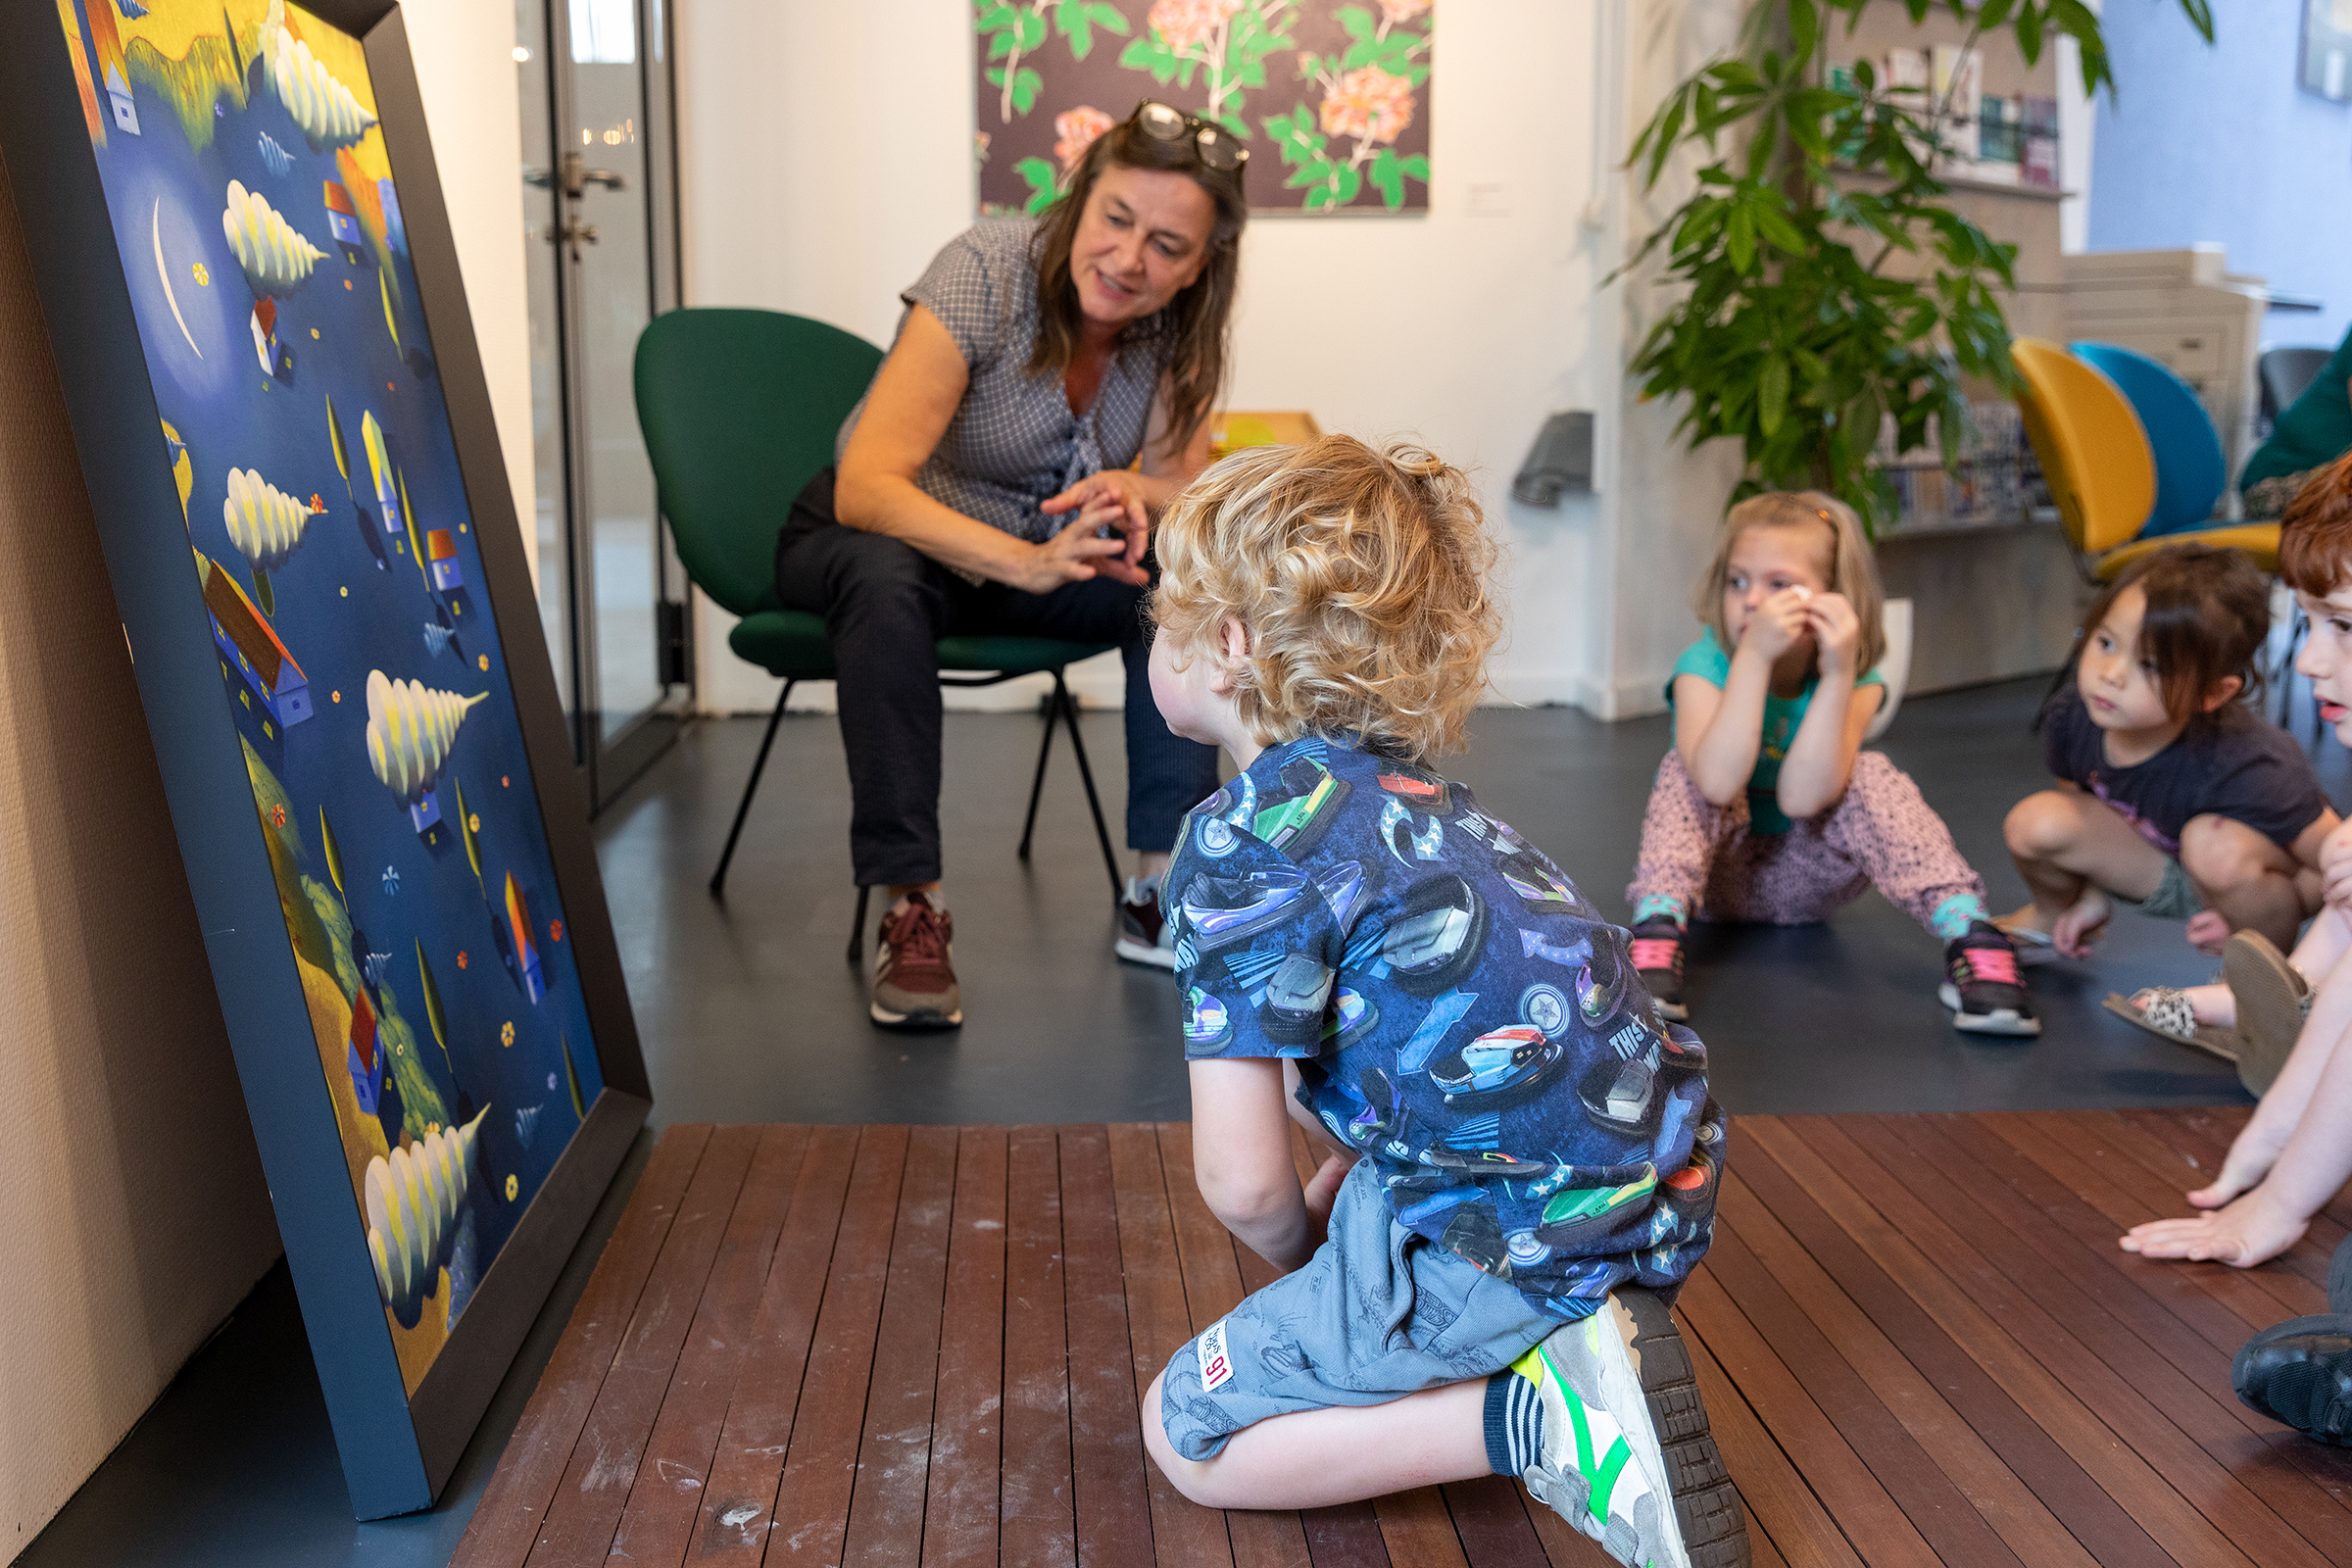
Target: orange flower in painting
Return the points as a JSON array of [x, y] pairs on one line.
[[1077, 129], [1183, 24], [1370, 104], [1402, 9]]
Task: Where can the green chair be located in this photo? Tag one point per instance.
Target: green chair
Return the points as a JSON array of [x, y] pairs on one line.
[[739, 410]]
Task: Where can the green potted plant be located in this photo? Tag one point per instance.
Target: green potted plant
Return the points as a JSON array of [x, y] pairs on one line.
[[1788, 334]]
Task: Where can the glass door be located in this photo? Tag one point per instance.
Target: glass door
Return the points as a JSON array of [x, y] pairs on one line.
[[601, 203]]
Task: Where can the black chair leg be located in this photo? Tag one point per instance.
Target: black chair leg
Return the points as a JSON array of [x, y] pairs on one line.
[[858, 925], [1037, 785], [718, 878], [1070, 717]]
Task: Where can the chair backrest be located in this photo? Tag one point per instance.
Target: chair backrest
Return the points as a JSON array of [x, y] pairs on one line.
[[739, 410], [2286, 374], [2190, 471], [2093, 453]]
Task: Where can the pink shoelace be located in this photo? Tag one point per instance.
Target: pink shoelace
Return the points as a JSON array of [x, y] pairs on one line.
[[1997, 965], [1655, 952]]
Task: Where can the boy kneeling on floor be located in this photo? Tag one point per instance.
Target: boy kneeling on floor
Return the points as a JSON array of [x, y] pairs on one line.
[[1480, 1282]]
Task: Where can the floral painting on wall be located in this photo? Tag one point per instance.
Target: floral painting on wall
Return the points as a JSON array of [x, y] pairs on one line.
[[1331, 97]]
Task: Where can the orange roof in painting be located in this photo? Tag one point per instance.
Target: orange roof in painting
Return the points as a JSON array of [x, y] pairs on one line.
[[338, 200], [243, 623]]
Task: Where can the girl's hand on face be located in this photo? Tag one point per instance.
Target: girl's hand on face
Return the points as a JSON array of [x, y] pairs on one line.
[[2335, 867], [1836, 633], [1778, 623]]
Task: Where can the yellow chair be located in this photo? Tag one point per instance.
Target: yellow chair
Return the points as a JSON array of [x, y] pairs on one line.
[[2101, 472]]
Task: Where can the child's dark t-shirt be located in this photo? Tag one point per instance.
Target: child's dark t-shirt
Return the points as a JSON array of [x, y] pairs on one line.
[[1459, 1013], [2230, 764]]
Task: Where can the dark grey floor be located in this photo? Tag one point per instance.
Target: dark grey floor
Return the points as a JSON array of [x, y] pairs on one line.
[[749, 1013]]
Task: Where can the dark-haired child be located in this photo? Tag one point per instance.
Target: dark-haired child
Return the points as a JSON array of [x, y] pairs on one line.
[[2174, 798]]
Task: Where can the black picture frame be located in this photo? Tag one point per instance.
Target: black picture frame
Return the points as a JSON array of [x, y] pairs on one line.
[[398, 1447]]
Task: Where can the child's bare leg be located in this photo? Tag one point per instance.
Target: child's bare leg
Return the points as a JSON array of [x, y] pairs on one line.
[[2243, 877], [1313, 1458], [2321, 945], [2069, 847]]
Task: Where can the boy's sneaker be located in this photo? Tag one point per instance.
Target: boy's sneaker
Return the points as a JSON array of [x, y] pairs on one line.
[[1627, 1457], [913, 982], [1980, 984], [1143, 934], [1658, 960]]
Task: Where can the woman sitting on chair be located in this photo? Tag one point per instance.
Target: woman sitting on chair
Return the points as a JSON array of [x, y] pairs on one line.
[[983, 488]]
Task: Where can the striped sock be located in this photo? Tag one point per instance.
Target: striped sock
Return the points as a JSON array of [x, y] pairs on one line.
[[1514, 1423]]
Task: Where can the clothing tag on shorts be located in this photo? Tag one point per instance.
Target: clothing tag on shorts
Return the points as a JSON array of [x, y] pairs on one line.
[[1216, 1369]]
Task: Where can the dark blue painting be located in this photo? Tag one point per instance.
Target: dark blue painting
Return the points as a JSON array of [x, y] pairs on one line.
[[258, 223]]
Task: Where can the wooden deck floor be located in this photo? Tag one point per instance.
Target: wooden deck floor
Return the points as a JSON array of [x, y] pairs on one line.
[[923, 1346]]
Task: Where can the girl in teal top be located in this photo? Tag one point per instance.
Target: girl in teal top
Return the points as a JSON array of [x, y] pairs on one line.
[[1767, 809]]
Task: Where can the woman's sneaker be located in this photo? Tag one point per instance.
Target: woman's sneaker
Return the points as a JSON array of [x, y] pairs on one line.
[[1627, 1456], [913, 982], [1980, 984], [1143, 934], [1659, 959]]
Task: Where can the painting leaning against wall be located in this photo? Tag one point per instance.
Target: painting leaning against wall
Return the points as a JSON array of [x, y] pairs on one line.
[[1331, 99], [258, 230]]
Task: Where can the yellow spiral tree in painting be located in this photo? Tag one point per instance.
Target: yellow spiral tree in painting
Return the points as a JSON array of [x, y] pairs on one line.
[[414, 1196], [410, 728], [275, 255]]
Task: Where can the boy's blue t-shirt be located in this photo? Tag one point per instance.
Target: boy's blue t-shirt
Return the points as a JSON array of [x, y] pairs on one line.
[[1707, 659], [1458, 1013]]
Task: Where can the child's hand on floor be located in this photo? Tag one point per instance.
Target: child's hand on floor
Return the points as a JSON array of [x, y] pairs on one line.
[[1836, 634], [2208, 931], [2078, 930], [2251, 1230]]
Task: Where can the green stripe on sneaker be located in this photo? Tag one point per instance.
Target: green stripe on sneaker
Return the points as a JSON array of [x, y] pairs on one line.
[[1604, 1480]]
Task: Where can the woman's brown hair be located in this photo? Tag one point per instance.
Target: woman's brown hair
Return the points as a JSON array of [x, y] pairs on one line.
[[1194, 331], [2207, 613]]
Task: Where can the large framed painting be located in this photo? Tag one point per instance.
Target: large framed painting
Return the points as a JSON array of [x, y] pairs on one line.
[[1330, 96], [249, 281]]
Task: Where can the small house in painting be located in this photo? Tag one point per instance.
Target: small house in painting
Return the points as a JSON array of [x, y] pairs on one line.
[[344, 221], [252, 649], [118, 93], [526, 951], [276, 359], [442, 551], [367, 1064]]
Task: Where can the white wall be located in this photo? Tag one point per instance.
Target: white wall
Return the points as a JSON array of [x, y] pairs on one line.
[[464, 51], [850, 120]]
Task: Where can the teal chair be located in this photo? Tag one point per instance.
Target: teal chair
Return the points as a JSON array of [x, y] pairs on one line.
[[2191, 472], [740, 409]]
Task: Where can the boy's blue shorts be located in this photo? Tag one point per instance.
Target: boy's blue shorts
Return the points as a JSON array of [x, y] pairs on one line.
[[1378, 1312]]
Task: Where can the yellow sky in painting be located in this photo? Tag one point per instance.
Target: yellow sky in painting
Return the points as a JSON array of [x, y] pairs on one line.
[[172, 26]]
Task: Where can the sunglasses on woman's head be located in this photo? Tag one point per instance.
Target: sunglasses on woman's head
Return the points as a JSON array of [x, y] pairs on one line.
[[1215, 148]]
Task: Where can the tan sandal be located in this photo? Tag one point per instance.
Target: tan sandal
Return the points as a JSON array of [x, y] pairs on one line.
[[2168, 1012], [2272, 1001]]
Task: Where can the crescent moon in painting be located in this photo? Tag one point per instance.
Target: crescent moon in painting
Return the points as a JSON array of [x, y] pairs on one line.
[[155, 228]]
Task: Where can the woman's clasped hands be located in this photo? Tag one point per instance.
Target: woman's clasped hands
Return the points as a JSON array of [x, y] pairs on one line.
[[1081, 550]]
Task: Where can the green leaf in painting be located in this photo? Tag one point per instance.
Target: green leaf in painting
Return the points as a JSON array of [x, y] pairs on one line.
[[1043, 183], [991, 16], [1030, 29], [1026, 85], [1357, 22], [1388, 178], [1415, 167], [1150, 54]]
